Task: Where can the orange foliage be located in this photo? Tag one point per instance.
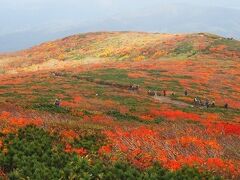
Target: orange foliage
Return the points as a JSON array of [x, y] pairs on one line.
[[78, 151], [136, 152], [229, 128], [139, 58], [109, 103], [173, 165], [147, 117], [98, 118], [140, 158], [222, 127], [191, 160], [215, 162], [143, 146], [78, 99], [9, 124], [160, 54], [69, 134], [7, 130], [211, 117], [105, 150], [174, 114], [69, 104], [5, 115], [218, 48], [136, 74], [187, 141], [21, 122]]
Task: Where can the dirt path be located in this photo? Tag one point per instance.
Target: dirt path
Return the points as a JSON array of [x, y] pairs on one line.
[[168, 100], [162, 99]]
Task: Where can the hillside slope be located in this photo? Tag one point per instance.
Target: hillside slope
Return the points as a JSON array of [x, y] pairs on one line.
[[104, 127], [119, 46]]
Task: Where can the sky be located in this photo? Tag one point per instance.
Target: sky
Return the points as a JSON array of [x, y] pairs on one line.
[[51, 16], [19, 15]]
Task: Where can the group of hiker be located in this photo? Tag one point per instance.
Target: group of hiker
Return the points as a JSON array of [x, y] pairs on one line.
[[197, 101], [157, 93], [133, 87]]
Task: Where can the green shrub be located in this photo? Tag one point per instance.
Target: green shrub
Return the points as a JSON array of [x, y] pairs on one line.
[[122, 170], [183, 48], [34, 154], [31, 154], [122, 117], [186, 173], [159, 120], [90, 142], [50, 108]]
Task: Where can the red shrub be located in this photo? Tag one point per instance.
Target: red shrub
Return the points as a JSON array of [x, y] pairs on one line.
[[69, 134], [5, 115], [175, 114], [20, 122], [105, 150]]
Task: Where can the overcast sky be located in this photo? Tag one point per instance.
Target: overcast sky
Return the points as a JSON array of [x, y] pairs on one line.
[[18, 15], [45, 20]]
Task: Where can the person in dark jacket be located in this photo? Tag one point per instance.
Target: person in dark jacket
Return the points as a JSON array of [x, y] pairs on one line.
[[226, 106], [207, 103]]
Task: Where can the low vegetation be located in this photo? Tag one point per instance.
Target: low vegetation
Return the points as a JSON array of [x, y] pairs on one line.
[[113, 120], [26, 155]]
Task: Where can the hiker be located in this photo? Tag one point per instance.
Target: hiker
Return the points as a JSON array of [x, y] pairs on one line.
[[130, 87], [151, 93], [134, 87], [226, 106], [195, 101], [56, 74], [213, 104], [207, 103], [57, 102], [159, 93], [186, 92], [137, 87], [164, 92]]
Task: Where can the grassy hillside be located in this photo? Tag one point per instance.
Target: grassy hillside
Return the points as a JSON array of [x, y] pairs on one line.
[[105, 130], [119, 46]]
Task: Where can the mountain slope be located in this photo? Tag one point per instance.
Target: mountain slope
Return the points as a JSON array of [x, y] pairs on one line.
[[124, 96], [118, 46]]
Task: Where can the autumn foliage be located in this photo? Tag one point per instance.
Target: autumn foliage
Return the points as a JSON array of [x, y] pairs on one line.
[[101, 120], [144, 146]]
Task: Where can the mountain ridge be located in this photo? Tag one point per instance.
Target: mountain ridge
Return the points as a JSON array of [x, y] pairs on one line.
[[119, 46]]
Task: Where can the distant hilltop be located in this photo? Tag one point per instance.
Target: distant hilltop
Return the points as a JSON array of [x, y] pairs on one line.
[[121, 46]]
